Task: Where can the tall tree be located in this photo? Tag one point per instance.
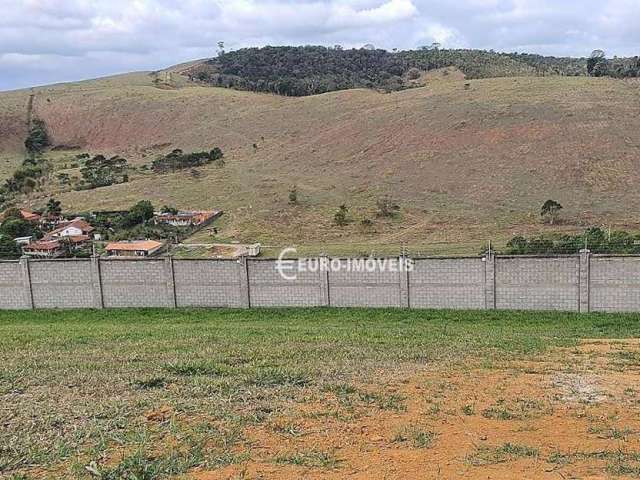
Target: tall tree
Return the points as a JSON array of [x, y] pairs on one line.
[[550, 211]]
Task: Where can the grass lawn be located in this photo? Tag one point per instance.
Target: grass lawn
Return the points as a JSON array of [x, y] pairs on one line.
[[145, 394]]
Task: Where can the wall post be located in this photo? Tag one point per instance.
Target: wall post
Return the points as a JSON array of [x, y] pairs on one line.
[[403, 273], [325, 298], [26, 282], [584, 281], [490, 280], [245, 294], [96, 283], [171, 282]]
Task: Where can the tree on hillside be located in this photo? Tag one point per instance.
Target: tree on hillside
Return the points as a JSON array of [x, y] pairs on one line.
[[140, 213], [38, 138], [54, 207], [596, 63], [550, 211], [17, 227]]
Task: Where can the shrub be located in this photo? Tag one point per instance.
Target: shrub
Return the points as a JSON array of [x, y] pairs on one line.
[[387, 207], [293, 196], [413, 74], [340, 217]]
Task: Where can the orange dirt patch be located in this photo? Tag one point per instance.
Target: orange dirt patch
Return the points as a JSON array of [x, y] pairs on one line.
[[572, 414]]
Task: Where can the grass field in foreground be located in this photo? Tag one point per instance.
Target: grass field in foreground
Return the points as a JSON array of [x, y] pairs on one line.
[[145, 394]]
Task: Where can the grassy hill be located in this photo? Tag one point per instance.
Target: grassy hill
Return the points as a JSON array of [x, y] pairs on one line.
[[466, 160]]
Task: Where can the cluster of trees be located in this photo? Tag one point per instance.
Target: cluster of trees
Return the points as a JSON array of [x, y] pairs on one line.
[[178, 160], [14, 226], [100, 171], [137, 223], [310, 70], [599, 66], [37, 138], [595, 239], [299, 71], [25, 179]]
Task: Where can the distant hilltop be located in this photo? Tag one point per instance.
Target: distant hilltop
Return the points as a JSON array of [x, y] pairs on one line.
[[311, 70]]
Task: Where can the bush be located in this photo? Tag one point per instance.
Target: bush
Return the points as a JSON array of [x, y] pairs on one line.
[[413, 74], [340, 217], [387, 207], [293, 196]]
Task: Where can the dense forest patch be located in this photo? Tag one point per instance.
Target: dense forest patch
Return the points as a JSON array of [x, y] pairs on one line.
[[311, 70]]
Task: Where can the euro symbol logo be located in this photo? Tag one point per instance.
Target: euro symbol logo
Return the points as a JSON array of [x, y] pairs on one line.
[[284, 266]]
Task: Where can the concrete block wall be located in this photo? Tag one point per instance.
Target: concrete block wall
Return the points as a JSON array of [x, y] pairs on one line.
[[61, 284], [14, 286], [571, 283], [134, 283], [267, 288], [207, 283], [523, 283], [456, 283], [365, 289], [614, 284]]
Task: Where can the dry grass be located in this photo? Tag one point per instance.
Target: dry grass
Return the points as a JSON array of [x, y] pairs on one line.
[[464, 165]]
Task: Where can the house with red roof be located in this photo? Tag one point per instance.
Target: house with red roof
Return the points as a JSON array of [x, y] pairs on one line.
[[141, 248]]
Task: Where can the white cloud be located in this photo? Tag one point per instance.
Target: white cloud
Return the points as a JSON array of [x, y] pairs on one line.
[[86, 38]]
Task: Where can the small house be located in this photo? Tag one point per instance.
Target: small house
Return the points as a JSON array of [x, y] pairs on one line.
[[30, 216], [44, 249], [187, 219], [78, 227], [143, 248]]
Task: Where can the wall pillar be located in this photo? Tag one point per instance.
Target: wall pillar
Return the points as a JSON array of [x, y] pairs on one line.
[[96, 283], [403, 273], [171, 282], [26, 282], [584, 281], [245, 294], [490, 280], [325, 297]]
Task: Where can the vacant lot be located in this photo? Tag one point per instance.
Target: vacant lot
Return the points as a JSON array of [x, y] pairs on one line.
[[145, 394]]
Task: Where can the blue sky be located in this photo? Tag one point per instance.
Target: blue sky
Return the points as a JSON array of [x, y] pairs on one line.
[[46, 41]]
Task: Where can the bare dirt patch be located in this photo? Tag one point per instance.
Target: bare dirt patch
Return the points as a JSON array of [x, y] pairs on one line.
[[572, 414]]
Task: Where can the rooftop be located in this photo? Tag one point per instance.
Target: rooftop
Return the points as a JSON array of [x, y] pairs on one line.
[[142, 245]]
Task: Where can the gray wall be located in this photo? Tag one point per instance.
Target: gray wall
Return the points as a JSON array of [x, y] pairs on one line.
[[581, 283]]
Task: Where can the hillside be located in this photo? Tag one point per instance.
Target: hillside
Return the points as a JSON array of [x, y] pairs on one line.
[[467, 160]]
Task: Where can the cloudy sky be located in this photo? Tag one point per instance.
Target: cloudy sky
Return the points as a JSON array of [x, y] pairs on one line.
[[46, 41]]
